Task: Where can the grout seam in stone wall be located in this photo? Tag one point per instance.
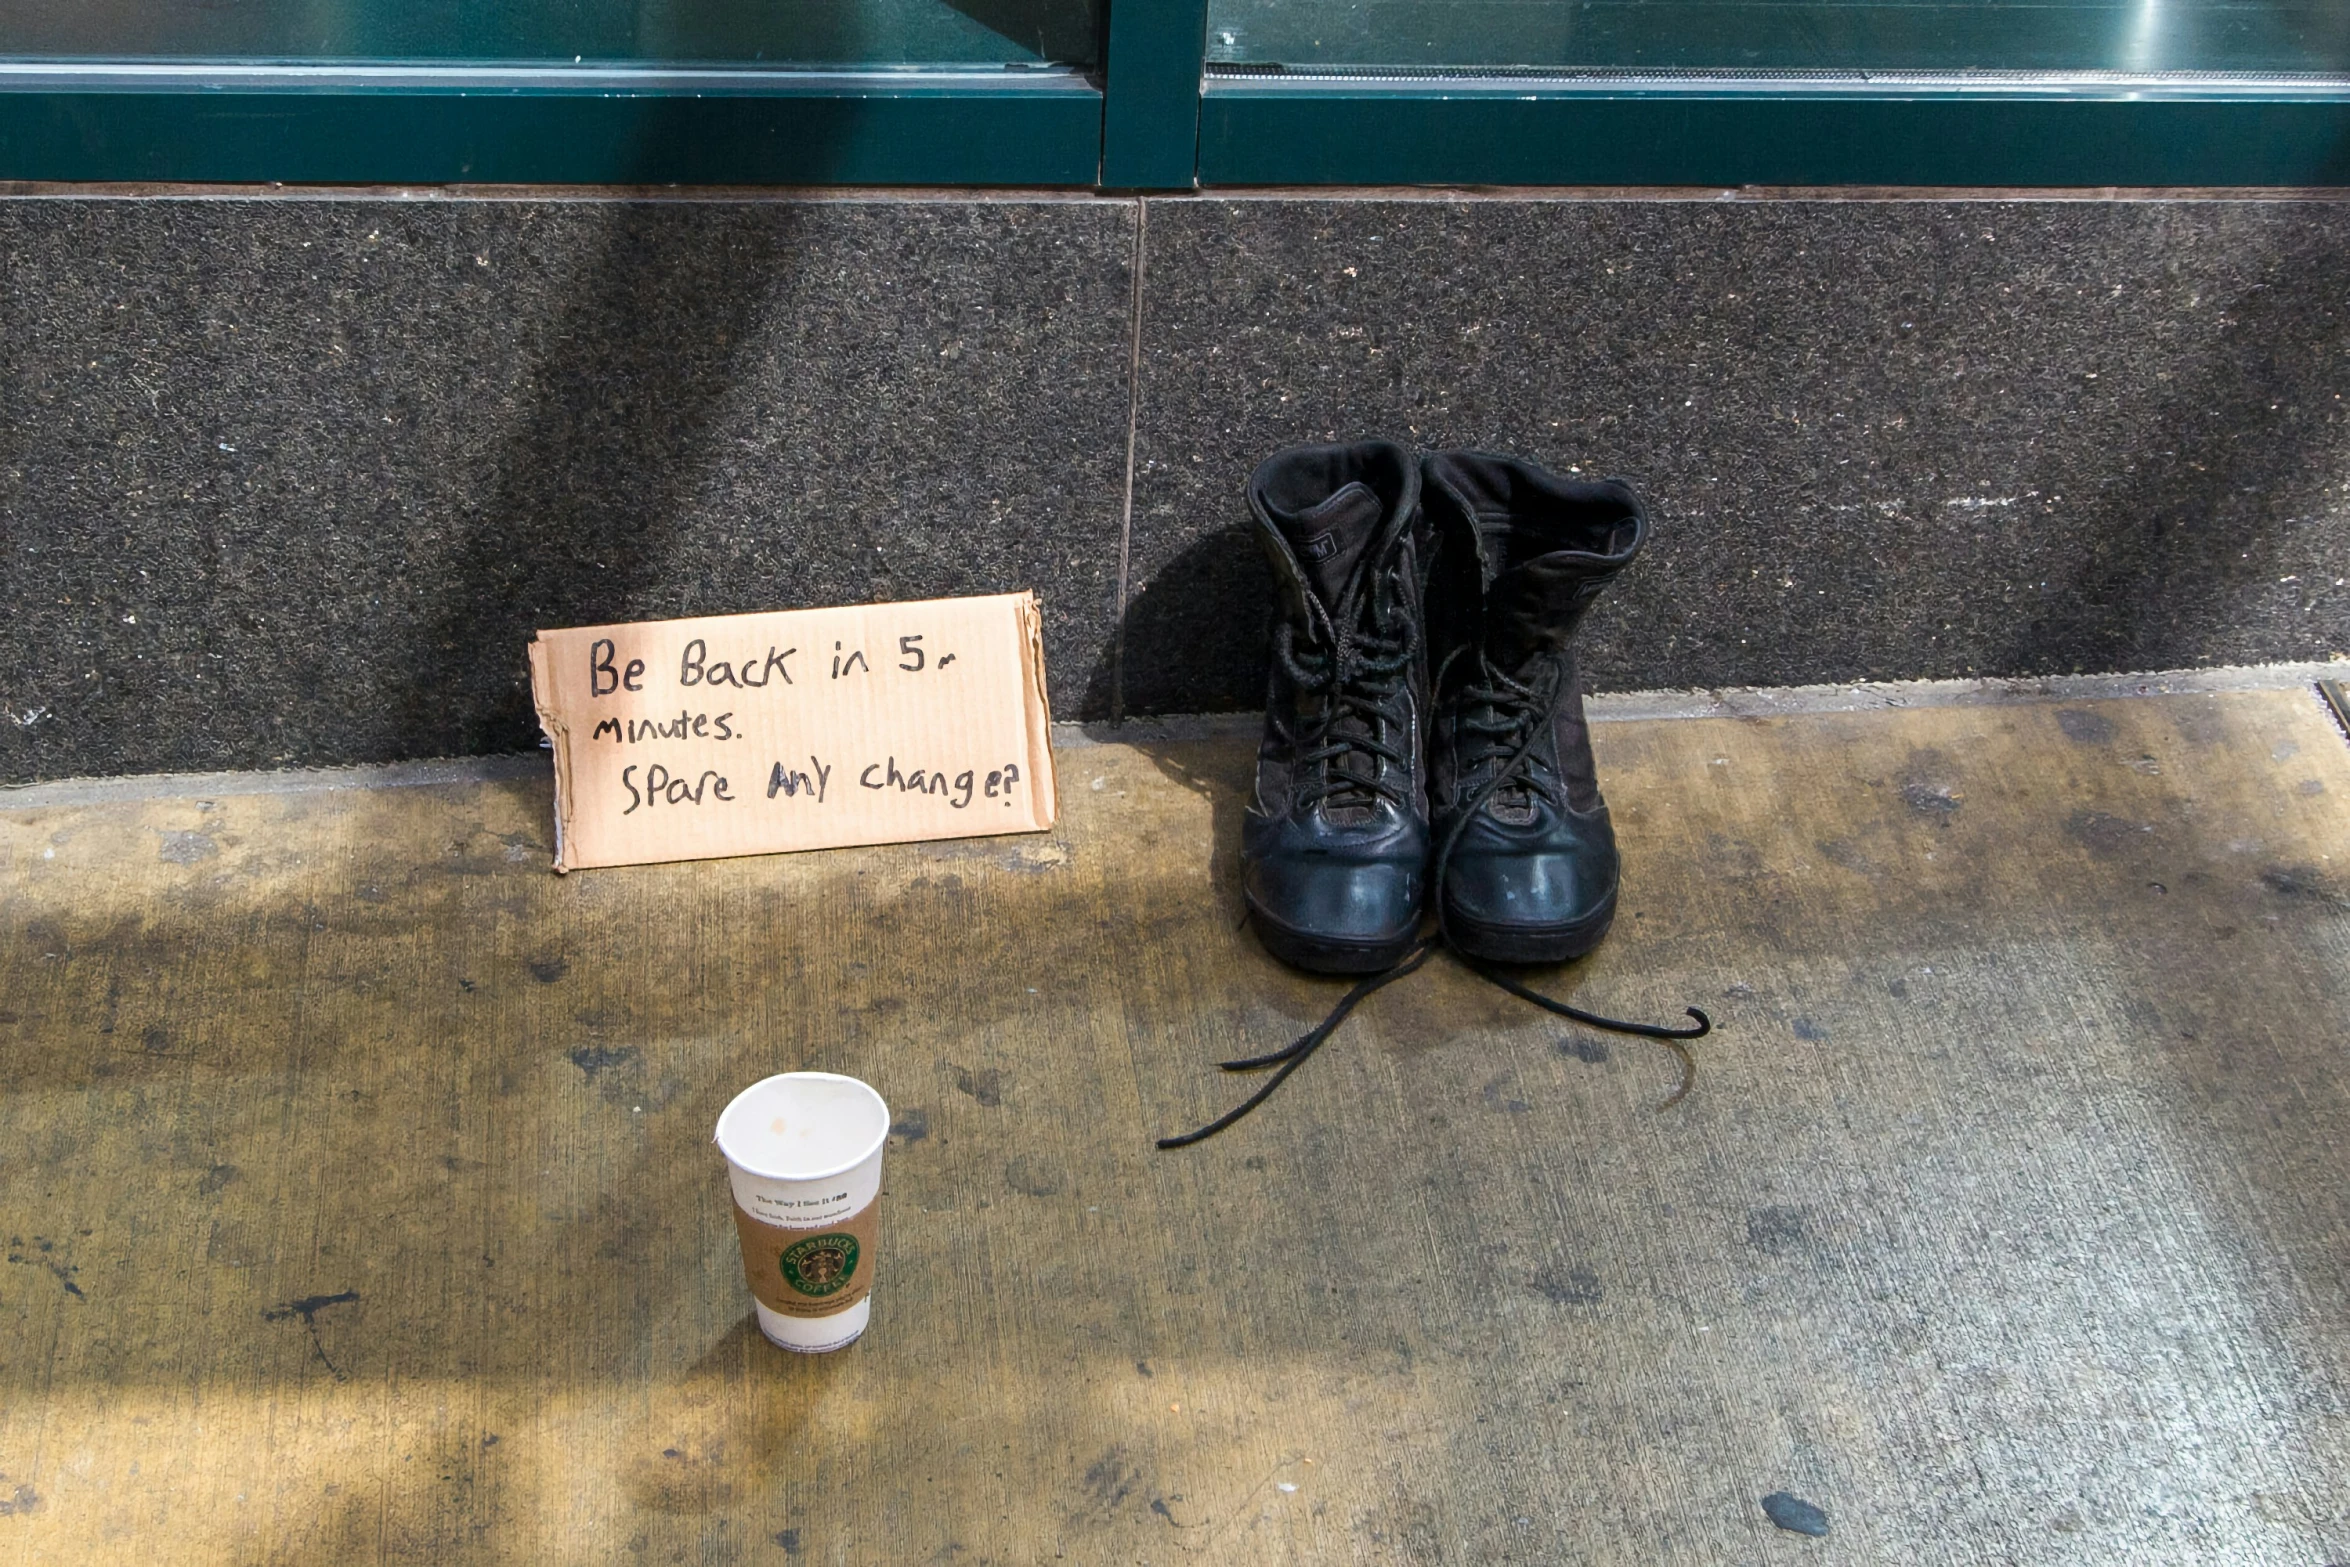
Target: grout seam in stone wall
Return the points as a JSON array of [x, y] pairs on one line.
[[1133, 435]]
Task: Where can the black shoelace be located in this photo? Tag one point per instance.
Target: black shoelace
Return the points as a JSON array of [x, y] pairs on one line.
[[1355, 676], [1498, 715], [1507, 728]]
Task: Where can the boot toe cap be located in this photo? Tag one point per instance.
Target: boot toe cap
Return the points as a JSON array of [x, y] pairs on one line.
[[1335, 900], [1531, 891]]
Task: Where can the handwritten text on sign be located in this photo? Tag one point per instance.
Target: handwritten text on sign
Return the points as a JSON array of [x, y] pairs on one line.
[[802, 729]]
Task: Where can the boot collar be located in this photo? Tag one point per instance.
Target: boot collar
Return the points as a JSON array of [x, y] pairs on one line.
[[1544, 545], [1327, 515]]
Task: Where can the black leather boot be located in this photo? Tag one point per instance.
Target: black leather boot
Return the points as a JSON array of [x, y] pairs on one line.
[[1334, 849], [1525, 856]]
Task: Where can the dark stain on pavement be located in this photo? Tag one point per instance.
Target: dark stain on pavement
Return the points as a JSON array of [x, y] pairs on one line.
[[1930, 799], [1569, 1286], [43, 1254], [2303, 884], [986, 1086], [1777, 1230], [2103, 834], [1794, 1514], [2081, 725], [592, 1059], [308, 1308], [1034, 1177]]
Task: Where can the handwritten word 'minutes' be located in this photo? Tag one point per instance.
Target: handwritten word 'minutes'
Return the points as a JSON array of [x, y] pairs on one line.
[[696, 667], [790, 784], [663, 787], [685, 726], [957, 794]]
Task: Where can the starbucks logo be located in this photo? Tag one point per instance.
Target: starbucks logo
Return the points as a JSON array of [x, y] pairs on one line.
[[820, 1265]]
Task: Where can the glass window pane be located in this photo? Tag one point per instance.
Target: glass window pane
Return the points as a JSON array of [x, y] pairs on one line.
[[721, 33], [2131, 36]]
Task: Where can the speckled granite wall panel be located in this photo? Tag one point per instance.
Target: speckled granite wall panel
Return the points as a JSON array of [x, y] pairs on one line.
[[1883, 438], [291, 481]]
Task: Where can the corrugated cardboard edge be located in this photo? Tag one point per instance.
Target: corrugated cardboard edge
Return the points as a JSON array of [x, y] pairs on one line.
[[559, 736], [1045, 797]]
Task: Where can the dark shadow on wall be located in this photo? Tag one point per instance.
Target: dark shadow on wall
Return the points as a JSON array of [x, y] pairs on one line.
[[1194, 639], [593, 498], [2187, 554], [593, 489], [593, 493], [1197, 636]]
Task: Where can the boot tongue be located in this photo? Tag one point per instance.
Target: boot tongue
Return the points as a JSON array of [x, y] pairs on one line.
[[1329, 540]]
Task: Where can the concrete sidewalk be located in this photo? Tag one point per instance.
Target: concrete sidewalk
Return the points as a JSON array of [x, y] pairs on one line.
[[360, 1202]]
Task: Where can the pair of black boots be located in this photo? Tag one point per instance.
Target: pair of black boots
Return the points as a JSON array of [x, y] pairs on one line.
[[1424, 745]]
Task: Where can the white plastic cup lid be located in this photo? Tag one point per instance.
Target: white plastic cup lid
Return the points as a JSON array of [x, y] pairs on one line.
[[803, 1126]]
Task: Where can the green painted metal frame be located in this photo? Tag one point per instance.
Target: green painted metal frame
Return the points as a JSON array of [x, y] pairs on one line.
[[1336, 131], [1150, 120], [1018, 128], [1155, 120]]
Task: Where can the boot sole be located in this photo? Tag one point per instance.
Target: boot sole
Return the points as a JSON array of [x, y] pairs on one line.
[[1324, 954], [1475, 938]]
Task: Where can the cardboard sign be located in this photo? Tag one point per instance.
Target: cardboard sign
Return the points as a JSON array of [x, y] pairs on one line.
[[803, 729]]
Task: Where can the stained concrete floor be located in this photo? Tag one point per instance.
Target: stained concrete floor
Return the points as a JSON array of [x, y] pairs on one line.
[[360, 1203]]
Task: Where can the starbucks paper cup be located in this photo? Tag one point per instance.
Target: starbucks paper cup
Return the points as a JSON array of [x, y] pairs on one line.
[[803, 1155]]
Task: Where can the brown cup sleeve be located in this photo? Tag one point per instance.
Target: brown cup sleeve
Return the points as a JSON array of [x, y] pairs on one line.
[[815, 1272]]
